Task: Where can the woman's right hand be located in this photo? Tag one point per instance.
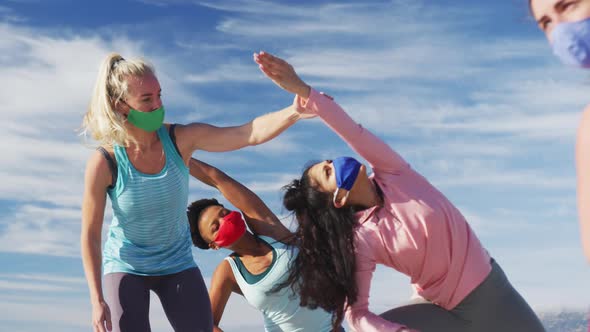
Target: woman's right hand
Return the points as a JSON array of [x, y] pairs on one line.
[[281, 73], [101, 316]]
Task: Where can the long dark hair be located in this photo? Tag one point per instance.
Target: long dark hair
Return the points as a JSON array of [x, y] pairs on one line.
[[323, 273]]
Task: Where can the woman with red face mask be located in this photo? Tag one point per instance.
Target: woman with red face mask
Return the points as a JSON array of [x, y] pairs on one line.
[[566, 24], [350, 222], [259, 261]]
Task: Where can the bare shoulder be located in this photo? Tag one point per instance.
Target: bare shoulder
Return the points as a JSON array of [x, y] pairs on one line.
[[97, 167], [97, 160], [223, 271], [188, 133], [224, 278]]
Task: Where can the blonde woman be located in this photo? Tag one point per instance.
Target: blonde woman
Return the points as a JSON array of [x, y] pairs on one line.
[[141, 166]]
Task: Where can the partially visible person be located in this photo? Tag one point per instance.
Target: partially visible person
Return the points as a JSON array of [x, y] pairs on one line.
[[566, 24], [259, 261]]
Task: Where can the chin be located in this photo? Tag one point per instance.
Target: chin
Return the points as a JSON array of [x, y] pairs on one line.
[[363, 170], [362, 176]]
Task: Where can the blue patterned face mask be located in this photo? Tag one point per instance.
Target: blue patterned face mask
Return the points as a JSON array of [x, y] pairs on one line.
[[571, 42], [346, 170]]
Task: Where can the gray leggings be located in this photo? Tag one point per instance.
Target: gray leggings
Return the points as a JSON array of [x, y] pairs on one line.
[[183, 296], [492, 306]]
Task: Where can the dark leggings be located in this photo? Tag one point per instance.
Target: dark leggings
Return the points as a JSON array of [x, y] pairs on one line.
[[183, 296], [492, 306]]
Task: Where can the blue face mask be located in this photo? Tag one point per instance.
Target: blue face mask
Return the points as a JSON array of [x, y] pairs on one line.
[[346, 170], [571, 43]]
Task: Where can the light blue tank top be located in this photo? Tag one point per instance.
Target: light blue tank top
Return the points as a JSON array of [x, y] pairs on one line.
[[149, 233], [281, 310]]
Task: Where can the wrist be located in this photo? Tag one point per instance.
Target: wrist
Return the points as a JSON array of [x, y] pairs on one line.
[[304, 91], [97, 300]]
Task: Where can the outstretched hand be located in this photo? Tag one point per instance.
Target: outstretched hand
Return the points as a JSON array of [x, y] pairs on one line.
[[281, 73]]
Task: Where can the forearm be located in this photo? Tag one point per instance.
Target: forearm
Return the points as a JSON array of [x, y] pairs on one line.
[[259, 217], [92, 260], [217, 329], [201, 136], [268, 126], [362, 141], [202, 172]]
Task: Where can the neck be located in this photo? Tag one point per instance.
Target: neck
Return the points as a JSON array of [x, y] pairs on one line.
[[247, 245], [365, 194], [141, 140]]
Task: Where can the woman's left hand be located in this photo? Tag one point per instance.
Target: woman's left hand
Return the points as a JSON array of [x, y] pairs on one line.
[[282, 73]]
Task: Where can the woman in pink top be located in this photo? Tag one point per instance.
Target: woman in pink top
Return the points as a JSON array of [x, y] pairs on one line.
[[349, 222]]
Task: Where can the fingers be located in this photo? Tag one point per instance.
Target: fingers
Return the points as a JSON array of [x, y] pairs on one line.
[[98, 326], [281, 73], [263, 65], [275, 64], [102, 317], [268, 72], [108, 319]]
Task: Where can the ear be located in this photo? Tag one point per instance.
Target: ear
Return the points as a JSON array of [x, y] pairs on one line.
[[340, 201], [121, 107], [214, 246]]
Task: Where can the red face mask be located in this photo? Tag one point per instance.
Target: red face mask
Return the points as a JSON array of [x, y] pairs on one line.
[[232, 228]]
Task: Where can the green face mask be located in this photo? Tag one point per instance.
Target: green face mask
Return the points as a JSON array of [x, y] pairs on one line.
[[148, 121]]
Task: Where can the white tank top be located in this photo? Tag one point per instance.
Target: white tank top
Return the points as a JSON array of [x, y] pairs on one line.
[[281, 310]]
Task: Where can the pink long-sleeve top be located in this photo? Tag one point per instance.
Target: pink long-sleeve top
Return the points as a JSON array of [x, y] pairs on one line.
[[416, 231]]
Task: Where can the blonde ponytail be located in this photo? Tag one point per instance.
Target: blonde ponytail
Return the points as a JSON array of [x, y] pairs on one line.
[[105, 125]]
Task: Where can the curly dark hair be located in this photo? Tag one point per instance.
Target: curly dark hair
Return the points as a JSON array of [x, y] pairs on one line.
[[323, 273], [194, 211]]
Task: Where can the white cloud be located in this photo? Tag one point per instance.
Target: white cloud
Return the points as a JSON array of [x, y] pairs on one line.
[[253, 7], [41, 230], [31, 287], [73, 281], [478, 174], [271, 182], [235, 72], [69, 312]]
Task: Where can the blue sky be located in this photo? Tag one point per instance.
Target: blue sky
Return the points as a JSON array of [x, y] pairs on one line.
[[467, 92]]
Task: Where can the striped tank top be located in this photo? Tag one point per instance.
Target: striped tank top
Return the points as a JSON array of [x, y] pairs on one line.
[[149, 232]]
